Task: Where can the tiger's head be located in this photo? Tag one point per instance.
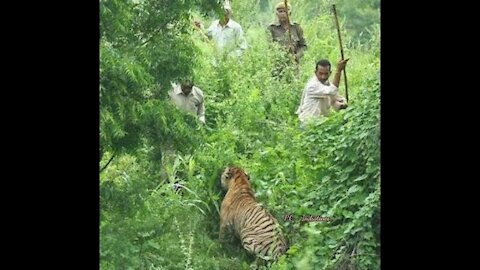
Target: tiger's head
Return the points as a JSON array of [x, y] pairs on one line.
[[232, 173]]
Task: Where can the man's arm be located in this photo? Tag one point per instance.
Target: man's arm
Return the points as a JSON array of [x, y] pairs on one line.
[[318, 90], [338, 102], [302, 44], [209, 32], [340, 66], [201, 109], [270, 32], [201, 112], [241, 41], [171, 91]]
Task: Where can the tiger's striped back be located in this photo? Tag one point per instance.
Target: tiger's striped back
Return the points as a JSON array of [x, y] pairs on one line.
[[257, 229]]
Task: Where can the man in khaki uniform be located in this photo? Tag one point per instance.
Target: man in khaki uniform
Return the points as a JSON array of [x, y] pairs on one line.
[[188, 98], [279, 31]]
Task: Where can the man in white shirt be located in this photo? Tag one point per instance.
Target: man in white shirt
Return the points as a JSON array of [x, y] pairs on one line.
[[227, 34], [188, 98], [319, 94]]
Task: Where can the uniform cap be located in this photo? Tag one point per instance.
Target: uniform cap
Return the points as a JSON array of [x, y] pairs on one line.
[[282, 5]]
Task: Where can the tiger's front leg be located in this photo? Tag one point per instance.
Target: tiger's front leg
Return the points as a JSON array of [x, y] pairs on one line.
[[221, 233]]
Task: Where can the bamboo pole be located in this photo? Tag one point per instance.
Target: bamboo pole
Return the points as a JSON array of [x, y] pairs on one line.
[[341, 50]]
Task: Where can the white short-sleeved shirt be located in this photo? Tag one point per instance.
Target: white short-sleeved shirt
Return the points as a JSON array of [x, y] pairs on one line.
[[316, 99], [228, 38], [193, 103]]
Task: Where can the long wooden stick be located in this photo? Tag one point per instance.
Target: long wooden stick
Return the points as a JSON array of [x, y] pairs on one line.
[[341, 50], [288, 23]]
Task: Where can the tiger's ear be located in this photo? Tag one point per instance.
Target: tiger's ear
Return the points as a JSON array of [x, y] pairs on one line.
[[228, 173]]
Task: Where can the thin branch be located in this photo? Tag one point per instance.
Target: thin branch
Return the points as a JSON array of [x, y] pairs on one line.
[[104, 167]]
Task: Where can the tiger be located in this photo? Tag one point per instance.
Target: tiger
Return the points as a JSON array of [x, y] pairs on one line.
[[257, 229]]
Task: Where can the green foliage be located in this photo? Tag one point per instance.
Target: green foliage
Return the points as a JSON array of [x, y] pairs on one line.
[[359, 17], [160, 196], [142, 50], [347, 184]]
